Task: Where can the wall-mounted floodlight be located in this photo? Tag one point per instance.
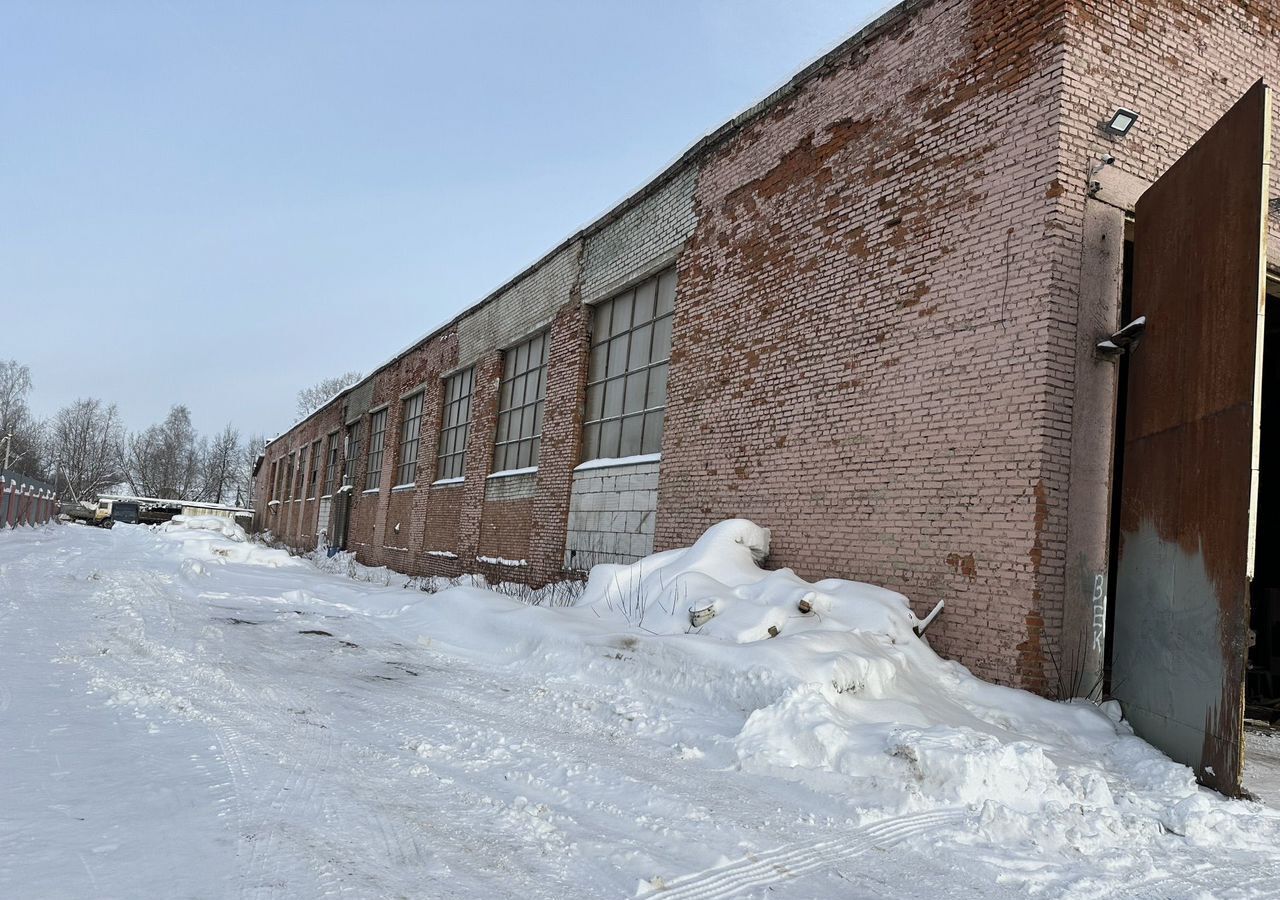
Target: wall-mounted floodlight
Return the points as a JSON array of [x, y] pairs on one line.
[[1120, 122], [1123, 341]]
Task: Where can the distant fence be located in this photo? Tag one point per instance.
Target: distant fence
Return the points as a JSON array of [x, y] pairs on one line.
[[25, 501]]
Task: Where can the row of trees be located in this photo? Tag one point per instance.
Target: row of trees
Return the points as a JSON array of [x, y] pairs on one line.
[[84, 449]]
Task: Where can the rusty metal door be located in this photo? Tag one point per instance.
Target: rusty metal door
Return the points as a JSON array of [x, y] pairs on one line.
[[1189, 479]]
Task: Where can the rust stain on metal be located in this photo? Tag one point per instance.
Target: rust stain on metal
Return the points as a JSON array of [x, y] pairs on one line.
[[1189, 440]]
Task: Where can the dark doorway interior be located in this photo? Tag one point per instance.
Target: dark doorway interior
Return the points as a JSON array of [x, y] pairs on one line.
[[1262, 696], [1117, 464]]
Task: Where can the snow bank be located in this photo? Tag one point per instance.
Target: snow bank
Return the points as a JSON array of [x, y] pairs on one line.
[[219, 539], [845, 697], [822, 684], [344, 563], [218, 524], [716, 588]]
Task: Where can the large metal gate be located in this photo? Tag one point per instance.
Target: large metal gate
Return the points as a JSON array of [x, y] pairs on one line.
[[1189, 480]]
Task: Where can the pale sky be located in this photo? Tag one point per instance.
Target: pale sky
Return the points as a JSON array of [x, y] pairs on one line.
[[219, 203]]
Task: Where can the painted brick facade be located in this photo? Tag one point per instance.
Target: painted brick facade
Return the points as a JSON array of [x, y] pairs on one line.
[[885, 309]]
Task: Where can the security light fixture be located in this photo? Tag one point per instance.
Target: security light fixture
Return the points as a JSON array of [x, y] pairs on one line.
[[1123, 341], [1120, 122]]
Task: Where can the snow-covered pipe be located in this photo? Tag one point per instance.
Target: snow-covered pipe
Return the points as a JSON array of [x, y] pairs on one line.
[[933, 614]]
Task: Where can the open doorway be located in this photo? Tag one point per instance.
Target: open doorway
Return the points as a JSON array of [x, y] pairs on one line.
[[1117, 459], [1262, 687]]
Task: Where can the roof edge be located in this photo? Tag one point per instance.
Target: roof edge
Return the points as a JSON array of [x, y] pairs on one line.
[[695, 152]]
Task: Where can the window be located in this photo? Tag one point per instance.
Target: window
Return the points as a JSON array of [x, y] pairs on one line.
[[521, 396], [453, 430], [353, 452], [410, 425], [331, 465], [627, 372], [315, 470], [301, 476], [288, 478], [377, 434], [274, 493]]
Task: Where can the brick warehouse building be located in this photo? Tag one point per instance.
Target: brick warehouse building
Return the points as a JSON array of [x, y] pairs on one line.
[[864, 314]]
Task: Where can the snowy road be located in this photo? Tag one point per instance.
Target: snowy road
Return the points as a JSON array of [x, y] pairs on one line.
[[177, 728]]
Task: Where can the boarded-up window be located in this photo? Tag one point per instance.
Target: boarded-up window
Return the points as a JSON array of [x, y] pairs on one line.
[[627, 373], [410, 425], [454, 424], [521, 396], [377, 437]]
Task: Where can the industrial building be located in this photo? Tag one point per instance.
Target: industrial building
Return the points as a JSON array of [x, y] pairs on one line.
[[878, 314]]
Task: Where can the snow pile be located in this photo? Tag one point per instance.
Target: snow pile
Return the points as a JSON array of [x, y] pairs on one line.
[[218, 524], [221, 540], [717, 588], [845, 697], [344, 563], [824, 686]]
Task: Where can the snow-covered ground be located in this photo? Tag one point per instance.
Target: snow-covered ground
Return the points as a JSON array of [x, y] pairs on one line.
[[184, 714]]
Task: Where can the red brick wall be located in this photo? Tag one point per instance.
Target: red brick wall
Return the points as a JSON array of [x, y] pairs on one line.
[[859, 359], [561, 441], [1180, 64], [507, 528], [874, 349]]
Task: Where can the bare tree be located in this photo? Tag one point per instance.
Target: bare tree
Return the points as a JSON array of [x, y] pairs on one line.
[[248, 456], [312, 398], [84, 440], [164, 460], [20, 434], [218, 465]]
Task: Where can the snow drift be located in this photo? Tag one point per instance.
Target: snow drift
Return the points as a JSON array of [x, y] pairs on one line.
[[846, 697], [844, 700]]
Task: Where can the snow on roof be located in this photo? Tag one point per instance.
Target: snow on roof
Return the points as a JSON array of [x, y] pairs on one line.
[[171, 501]]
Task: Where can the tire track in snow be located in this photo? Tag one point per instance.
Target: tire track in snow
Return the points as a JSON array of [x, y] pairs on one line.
[[1216, 881], [792, 860], [278, 763]]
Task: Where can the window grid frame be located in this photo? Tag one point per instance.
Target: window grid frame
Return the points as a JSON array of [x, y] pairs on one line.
[[300, 474], [355, 434], [521, 449], [604, 335], [455, 424], [376, 450], [331, 465], [410, 438], [315, 469]]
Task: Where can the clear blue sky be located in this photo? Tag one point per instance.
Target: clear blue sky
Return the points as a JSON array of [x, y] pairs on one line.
[[219, 203]]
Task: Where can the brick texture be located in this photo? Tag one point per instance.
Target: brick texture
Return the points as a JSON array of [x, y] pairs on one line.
[[876, 326], [611, 515]]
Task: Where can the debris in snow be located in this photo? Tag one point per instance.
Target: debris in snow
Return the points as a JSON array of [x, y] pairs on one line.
[[933, 614]]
